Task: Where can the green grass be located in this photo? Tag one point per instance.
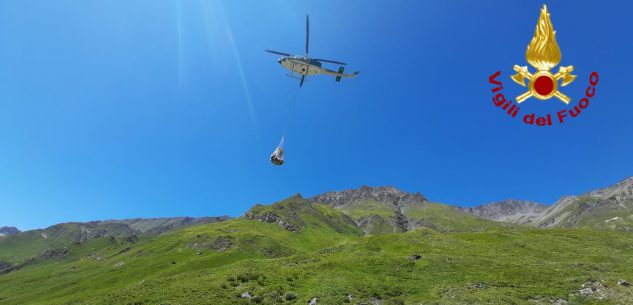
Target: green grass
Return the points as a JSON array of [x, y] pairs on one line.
[[511, 267]]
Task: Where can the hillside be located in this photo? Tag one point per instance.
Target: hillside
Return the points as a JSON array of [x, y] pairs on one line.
[[607, 208]]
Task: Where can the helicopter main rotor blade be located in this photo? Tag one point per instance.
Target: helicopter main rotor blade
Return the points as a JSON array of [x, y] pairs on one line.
[[331, 61], [307, 34], [278, 53]]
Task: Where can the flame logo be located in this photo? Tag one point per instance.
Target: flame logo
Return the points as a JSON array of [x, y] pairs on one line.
[[543, 52]]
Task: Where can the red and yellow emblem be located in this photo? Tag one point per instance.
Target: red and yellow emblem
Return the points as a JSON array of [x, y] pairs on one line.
[[543, 54]]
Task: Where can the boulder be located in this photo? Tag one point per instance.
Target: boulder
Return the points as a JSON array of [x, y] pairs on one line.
[[478, 285], [415, 257], [4, 265]]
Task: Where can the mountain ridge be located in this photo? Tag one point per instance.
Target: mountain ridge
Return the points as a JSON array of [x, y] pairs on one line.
[[510, 210], [380, 193], [609, 207]]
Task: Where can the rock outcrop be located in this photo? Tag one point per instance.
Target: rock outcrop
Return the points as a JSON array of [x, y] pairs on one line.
[[509, 210]]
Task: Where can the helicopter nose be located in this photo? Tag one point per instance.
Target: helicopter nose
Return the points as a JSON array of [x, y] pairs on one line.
[[280, 60]]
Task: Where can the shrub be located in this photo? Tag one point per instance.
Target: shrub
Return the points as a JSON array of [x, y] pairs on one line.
[[395, 302], [245, 277], [276, 297]]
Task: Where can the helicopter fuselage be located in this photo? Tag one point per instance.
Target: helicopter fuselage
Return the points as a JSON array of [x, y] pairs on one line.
[[301, 65]]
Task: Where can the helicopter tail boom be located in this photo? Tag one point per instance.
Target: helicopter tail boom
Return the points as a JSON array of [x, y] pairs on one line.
[[340, 74]]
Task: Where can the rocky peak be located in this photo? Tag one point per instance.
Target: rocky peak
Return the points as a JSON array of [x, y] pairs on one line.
[[509, 210], [8, 231], [296, 196], [384, 194]]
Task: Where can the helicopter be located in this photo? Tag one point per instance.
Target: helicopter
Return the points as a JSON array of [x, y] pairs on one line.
[[302, 66]]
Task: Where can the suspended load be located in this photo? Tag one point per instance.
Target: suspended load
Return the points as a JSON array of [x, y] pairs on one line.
[[277, 156]]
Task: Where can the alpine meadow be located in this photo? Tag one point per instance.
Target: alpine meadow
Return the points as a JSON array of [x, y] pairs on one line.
[[364, 246]]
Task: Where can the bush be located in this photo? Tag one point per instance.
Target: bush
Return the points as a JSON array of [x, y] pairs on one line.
[[290, 296], [258, 299], [395, 302], [245, 277]]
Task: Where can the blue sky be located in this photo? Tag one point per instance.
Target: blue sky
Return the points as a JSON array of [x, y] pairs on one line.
[[117, 109]]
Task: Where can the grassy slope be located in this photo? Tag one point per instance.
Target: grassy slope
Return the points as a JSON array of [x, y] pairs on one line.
[[19, 247], [437, 216], [308, 216], [16, 248], [266, 260], [377, 217]]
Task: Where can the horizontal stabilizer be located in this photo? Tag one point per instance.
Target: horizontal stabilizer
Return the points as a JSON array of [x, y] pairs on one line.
[[340, 71]]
